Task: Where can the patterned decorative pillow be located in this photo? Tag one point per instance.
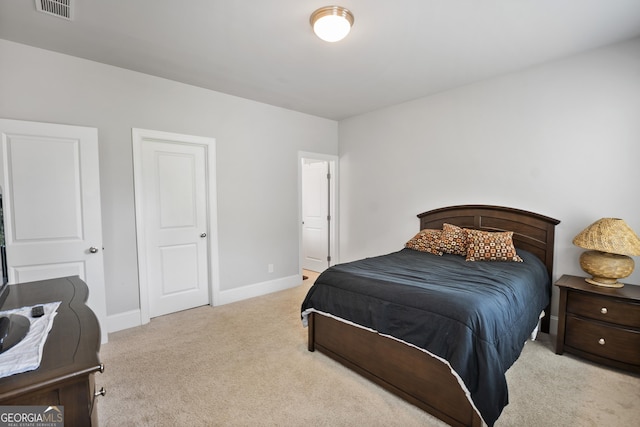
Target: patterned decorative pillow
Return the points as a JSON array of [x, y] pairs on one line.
[[426, 240], [454, 240], [491, 246]]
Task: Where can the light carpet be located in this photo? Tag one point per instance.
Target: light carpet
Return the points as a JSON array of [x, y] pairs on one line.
[[247, 364]]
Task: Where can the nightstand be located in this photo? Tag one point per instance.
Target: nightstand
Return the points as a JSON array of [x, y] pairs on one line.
[[599, 324]]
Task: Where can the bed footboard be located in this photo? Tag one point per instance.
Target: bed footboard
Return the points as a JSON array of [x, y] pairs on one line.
[[415, 376]]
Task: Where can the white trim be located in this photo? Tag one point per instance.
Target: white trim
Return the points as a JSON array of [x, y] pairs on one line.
[[137, 136], [334, 247], [126, 320], [133, 318], [259, 289], [553, 325]]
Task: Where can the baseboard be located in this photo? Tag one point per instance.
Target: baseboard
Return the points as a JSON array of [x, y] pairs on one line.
[[258, 289], [553, 325], [126, 320], [131, 319]]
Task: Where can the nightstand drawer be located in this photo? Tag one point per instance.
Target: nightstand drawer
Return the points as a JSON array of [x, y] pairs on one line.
[[604, 309], [602, 340]]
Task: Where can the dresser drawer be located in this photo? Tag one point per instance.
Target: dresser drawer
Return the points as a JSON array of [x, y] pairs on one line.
[[603, 340], [604, 309]]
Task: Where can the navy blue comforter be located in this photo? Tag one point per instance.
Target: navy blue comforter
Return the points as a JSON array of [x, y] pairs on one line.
[[476, 315]]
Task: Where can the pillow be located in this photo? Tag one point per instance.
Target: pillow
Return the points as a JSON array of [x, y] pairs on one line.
[[454, 240], [491, 246], [426, 240]]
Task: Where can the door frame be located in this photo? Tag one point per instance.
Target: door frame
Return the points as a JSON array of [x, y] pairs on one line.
[[334, 198], [90, 233], [137, 137]]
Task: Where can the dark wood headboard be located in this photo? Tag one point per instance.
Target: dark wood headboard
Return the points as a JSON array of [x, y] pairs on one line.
[[531, 231]]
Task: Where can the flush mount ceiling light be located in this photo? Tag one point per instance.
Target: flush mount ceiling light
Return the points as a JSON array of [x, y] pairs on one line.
[[331, 23]]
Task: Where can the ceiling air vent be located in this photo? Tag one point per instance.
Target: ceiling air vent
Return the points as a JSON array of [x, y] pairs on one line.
[[59, 8]]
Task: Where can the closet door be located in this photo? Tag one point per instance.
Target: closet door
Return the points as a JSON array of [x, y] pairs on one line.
[[174, 177], [51, 204]]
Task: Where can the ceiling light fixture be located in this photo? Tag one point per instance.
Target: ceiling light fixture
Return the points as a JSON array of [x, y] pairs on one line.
[[331, 23]]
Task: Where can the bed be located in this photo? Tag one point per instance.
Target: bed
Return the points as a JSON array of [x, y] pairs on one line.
[[372, 315]]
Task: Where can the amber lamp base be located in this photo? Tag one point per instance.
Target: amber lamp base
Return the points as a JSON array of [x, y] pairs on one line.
[[606, 268]]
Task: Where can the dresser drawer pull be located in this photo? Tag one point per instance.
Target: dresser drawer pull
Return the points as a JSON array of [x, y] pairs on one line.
[[601, 341], [604, 310]]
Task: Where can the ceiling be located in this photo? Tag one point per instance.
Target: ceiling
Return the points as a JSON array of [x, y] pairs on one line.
[[265, 50]]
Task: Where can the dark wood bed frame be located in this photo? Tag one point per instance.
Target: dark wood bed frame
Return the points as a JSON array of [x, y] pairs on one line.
[[412, 374]]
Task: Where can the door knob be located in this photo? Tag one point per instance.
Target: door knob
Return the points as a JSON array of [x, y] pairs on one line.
[[93, 249], [203, 235]]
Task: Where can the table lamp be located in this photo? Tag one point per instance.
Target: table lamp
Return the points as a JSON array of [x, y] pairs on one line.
[[611, 243]]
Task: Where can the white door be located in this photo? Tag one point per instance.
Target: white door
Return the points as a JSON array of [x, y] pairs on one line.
[[51, 205], [172, 201], [315, 215]]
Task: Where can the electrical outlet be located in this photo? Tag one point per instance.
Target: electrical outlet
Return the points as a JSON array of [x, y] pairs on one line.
[[270, 268]]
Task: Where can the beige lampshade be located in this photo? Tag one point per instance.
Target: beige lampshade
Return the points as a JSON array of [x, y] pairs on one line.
[[611, 235]]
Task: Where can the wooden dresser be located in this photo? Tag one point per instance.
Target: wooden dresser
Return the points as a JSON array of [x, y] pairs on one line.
[[65, 376], [598, 323]]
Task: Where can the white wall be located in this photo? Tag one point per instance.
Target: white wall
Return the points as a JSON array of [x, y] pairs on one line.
[[562, 139], [257, 154]]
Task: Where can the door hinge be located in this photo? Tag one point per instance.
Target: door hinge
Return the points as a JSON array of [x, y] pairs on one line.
[[328, 217], [329, 176], [329, 258]]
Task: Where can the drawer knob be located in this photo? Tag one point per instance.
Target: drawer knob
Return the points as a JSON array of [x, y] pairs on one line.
[[604, 310], [601, 341]]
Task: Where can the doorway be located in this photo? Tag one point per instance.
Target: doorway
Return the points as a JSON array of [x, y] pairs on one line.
[[318, 207], [176, 223], [49, 174]]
